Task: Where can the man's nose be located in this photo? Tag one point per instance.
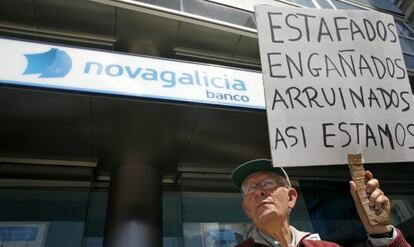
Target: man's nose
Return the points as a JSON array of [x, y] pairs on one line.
[[259, 191]]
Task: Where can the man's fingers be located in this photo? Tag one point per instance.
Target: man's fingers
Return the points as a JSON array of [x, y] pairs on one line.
[[372, 185], [374, 197], [381, 204], [368, 175], [377, 201]]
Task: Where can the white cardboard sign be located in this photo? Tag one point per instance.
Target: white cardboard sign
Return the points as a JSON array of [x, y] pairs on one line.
[[335, 83]]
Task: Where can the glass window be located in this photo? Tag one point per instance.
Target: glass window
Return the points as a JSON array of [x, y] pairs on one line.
[[332, 212], [334, 216], [409, 63], [172, 219], [402, 215], [343, 5], [380, 5], [249, 4], [268, 2], [403, 29], [411, 78], [324, 4], [306, 3], [64, 217], [58, 216], [241, 4], [95, 219], [171, 4], [214, 234], [219, 12], [190, 219], [407, 45], [411, 24], [402, 212]]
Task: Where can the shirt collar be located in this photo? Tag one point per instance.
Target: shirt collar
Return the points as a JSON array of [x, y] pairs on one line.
[[273, 243]]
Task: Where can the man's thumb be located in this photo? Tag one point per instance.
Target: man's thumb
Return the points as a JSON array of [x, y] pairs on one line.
[[352, 187]]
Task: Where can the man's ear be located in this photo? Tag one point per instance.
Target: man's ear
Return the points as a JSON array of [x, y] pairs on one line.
[[293, 195], [245, 210]]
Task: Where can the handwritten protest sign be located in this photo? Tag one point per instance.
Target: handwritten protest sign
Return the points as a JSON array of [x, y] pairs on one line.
[[335, 83]]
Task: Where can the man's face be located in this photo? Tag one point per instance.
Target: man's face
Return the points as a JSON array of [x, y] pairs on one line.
[[268, 206]]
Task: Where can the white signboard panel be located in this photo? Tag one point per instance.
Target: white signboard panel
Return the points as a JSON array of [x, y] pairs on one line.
[[335, 83], [51, 66]]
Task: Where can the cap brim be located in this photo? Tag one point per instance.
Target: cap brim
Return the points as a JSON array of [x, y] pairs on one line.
[[259, 165]]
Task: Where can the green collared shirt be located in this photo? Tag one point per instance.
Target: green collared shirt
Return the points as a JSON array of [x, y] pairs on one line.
[[296, 237], [273, 243]]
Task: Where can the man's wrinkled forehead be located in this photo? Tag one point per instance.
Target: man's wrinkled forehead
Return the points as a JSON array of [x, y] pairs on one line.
[[261, 175]]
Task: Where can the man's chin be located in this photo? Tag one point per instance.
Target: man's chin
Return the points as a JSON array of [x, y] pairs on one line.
[[267, 215], [265, 209]]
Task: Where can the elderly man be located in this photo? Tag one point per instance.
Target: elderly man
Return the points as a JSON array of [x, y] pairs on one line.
[[268, 198]]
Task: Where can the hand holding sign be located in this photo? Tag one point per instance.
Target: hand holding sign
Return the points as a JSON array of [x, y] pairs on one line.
[[372, 205]]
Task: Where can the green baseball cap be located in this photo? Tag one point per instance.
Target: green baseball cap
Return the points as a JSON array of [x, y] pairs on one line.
[[259, 165]]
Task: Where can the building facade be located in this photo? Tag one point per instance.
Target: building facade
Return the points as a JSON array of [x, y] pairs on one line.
[[88, 161]]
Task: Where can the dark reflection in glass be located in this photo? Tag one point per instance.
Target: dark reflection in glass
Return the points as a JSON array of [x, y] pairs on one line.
[[64, 217], [171, 4], [306, 3], [409, 63], [380, 5], [411, 24], [403, 29], [407, 45], [334, 217], [324, 4], [342, 5], [58, 215], [411, 78], [172, 219], [95, 219], [219, 12]]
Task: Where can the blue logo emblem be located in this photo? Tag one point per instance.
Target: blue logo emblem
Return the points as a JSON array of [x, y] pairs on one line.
[[53, 63]]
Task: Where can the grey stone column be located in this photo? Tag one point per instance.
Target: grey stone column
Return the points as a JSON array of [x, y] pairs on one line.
[[134, 208]]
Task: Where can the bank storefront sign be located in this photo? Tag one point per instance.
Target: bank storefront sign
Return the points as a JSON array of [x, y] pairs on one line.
[[51, 66]]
